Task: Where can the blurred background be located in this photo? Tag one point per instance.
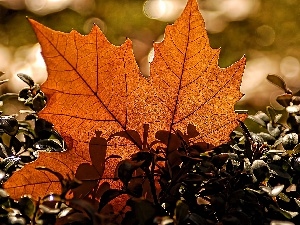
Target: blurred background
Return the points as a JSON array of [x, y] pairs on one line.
[[266, 31]]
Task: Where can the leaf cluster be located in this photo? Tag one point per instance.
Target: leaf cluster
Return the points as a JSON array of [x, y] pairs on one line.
[[20, 141], [253, 179]]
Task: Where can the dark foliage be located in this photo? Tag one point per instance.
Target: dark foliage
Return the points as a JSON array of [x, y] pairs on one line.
[[253, 179], [20, 141]]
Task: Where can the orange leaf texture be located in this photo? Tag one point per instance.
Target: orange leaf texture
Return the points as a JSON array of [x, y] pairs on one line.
[[102, 105]]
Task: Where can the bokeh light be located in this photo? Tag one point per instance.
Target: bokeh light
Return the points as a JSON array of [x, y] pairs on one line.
[[255, 85], [267, 33], [164, 10], [27, 60], [44, 7], [290, 66], [236, 10], [13, 4], [89, 23]]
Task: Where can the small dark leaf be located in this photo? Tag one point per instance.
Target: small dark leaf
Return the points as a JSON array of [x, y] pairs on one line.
[[27, 79], [47, 145], [43, 128], [28, 158], [219, 160], [279, 82], [280, 171], [26, 205], [196, 219], [135, 188], [10, 164], [181, 212], [143, 209], [200, 147], [78, 219], [4, 198], [229, 166], [248, 142], [29, 140], [84, 206], [9, 124], [38, 102], [16, 144], [130, 218], [31, 117], [191, 131], [24, 94], [126, 169], [284, 99], [169, 139], [147, 157], [109, 195]]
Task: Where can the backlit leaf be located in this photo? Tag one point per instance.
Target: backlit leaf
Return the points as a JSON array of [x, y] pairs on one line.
[[95, 89]]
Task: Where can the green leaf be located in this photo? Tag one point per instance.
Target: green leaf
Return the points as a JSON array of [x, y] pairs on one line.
[[27, 205], [181, 211]]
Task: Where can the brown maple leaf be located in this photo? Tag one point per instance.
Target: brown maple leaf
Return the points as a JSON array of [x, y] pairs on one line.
[[96, 86]]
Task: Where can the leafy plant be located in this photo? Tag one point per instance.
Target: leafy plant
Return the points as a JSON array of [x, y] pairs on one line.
[[21, 140]]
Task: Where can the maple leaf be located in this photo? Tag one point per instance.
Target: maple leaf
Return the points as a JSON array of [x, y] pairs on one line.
[[95, 86]]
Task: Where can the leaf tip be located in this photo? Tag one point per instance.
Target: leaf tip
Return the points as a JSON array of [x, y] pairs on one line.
[[243, 59], [95, 28], [31, 21], [127, 43]]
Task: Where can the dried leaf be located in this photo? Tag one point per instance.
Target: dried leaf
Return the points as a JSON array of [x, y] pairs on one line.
[[93, 85], [279, 82]]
